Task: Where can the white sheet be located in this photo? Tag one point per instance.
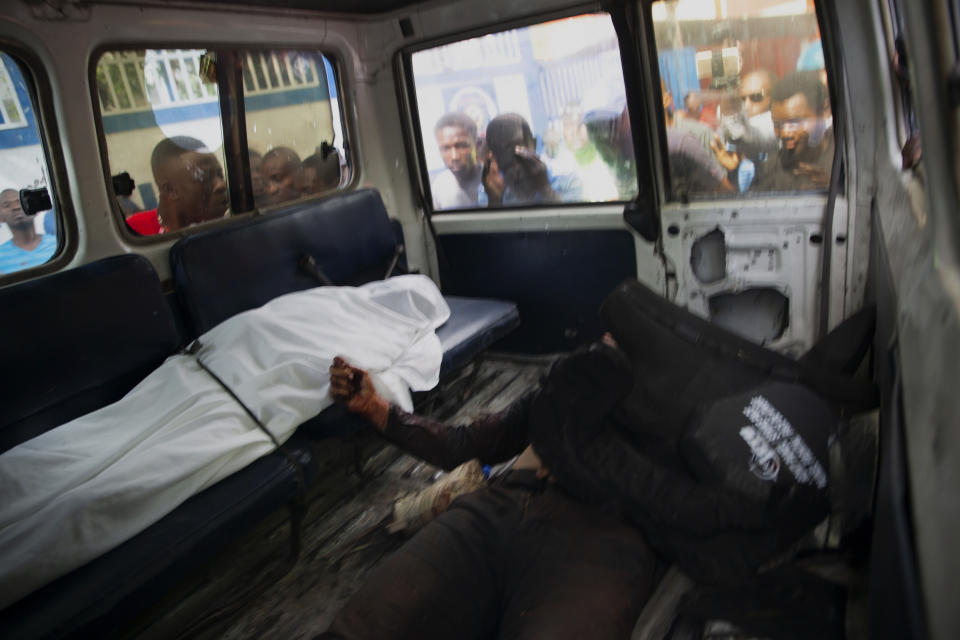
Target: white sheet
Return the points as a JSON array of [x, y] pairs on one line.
[[81, 489]]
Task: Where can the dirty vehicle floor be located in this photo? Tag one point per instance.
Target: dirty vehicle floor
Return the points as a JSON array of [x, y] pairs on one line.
[[253, 590]]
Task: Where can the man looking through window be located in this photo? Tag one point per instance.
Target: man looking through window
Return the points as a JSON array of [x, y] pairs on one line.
[[320, 173], [256, 178], [693, 168], [26, 248], [191, 187], [281, 172], [801, 120], [459, 185], [595, 174], [758, 136], [745, 136], [513, 173]]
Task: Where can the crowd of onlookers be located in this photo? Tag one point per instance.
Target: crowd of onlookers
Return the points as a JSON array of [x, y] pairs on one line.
[[192, 188], [764, 134], [502, 169]]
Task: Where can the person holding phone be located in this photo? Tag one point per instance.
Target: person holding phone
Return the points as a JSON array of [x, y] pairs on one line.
[[513, 173]]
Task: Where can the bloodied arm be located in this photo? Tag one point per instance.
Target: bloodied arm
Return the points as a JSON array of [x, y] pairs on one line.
[[491, 438]]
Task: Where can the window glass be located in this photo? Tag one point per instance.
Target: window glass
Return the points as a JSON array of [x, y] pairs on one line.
[[908, 129], [26, 240], [161, 120], [294, 132], [529, 116], [745, 97]]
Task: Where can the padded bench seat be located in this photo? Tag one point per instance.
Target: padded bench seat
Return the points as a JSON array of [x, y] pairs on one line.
[[474, 324], [84, 338], [223, 272], [105, 596]]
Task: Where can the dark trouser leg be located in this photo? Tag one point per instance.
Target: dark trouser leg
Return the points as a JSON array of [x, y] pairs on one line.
[[441, 584], [575, 571]]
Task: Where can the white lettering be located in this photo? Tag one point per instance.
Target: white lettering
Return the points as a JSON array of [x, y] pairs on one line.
[[772, 427], [764, 463]]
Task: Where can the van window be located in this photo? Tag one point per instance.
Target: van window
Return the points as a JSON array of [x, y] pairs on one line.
[[293, 134], [26, 241], [745, 98], [161, 122], [161, 119], [524, 117]]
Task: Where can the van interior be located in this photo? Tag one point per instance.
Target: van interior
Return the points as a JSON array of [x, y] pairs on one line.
[[783, 171]]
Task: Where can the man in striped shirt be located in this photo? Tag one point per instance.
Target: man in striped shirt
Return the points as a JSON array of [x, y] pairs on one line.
[[27, 248]]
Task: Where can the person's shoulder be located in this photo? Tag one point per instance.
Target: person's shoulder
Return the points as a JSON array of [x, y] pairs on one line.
[[448, 193], [567, 185], [47, 247], [694, 127], [681, 142], [443, 179], [446, 190], [9, 254], [145, 223], [829, 149], [691, 124], [774, 177], [677, 137]]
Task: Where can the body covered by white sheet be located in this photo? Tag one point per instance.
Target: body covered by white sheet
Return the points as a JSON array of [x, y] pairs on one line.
[[82, 488]]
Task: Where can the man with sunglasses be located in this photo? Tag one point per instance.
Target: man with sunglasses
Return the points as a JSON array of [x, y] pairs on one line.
[[745, 135], [800, 111], [745, 118], [755, 91]]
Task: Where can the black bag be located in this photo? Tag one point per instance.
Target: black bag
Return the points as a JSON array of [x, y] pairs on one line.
[[683, 362], [761, 441], [696, 451]]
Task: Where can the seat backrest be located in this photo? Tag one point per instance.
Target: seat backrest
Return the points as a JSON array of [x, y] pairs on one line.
[[222, 272], [78, 340]]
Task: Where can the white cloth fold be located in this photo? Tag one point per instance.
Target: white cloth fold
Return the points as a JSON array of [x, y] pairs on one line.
[[77, 491]]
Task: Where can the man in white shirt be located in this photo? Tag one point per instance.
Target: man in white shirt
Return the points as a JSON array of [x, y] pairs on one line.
[[459, 186]]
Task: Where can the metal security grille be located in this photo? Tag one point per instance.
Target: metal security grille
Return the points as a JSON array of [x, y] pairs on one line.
[[130, 81], [268, 71], [492, 50], [12, 115]]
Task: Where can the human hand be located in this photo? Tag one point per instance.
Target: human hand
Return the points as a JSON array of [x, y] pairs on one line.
[[819, 178], [730, 160], [493, 182], [353, 388], [534, 171]]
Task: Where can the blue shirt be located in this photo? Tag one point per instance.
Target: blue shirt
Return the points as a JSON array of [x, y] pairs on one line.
[[567, 187], [13, 258]]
